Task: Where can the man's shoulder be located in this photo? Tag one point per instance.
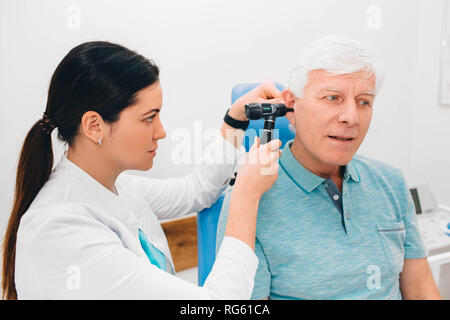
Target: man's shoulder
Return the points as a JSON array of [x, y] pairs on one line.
[[280, 192], [376, 168]]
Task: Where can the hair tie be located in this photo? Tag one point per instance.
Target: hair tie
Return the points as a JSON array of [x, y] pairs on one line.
[[47, 124]]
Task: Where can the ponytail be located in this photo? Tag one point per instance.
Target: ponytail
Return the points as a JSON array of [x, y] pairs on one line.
[[35, 165], [100, 76]]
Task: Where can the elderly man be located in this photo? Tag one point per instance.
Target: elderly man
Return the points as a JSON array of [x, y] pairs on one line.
[[336, 225]]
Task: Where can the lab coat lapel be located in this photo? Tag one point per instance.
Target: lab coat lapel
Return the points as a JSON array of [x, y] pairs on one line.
[[127, 208], [147, 220], [95, 194]]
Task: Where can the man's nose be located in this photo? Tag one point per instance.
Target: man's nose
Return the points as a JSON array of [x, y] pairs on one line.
[[349, 114]]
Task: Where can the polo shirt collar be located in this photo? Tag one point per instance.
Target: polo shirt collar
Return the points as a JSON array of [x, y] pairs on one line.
[[304, 178], [351, 171]]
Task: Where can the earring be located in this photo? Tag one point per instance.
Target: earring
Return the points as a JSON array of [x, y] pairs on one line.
[[99, 141]]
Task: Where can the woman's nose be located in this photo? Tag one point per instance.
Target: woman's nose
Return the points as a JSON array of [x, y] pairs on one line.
[[160, 133]]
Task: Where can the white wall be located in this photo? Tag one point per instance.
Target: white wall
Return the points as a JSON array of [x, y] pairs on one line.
[[204, 47], [430, 136]]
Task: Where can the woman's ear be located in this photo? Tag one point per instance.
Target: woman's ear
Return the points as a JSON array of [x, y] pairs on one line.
[[289, 99], [93, 126]]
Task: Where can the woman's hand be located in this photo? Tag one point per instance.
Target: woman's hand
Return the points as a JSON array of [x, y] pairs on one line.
[[260, 170], [254, 178], [265, 92]]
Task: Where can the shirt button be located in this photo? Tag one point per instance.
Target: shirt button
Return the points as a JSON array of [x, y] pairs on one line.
[[348, 215], [336, 197], [326, 185], [346, 176]]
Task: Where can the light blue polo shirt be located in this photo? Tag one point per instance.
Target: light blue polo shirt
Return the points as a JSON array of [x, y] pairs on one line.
[[315, 243]]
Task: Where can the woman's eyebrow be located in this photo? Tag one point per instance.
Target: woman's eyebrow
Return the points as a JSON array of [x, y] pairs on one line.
[[156, 110]]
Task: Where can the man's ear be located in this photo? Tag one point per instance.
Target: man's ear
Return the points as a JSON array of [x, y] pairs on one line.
[[289, 100], [93, 126]]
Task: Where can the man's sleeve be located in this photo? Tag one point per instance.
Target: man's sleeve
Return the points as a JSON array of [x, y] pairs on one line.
[[261, 289], [414, 246], [222, 223]]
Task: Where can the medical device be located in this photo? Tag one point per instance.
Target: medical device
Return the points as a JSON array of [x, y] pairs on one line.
[[434, 225], [433, 220], [269, 112]]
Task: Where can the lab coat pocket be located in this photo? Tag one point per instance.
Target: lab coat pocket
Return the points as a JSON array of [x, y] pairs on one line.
[[392, 237]]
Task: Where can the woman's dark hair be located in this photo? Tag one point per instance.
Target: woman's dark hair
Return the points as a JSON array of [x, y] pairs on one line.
[[94, 76]]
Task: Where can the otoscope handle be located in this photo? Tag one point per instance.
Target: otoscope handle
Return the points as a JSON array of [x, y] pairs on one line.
[[267, 134]]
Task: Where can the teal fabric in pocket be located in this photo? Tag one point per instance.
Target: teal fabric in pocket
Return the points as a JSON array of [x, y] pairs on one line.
[[155, 256]]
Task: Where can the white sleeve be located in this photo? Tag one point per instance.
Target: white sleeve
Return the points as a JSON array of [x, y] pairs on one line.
[[175, 197], [108, 270]]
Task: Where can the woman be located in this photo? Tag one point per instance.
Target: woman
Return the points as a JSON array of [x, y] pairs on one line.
[[84, 230]]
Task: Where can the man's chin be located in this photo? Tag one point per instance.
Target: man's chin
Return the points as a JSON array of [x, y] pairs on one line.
[[338, 159]]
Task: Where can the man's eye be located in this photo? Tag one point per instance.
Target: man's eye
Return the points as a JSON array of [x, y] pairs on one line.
[[332, 98], [150, 119], [365, 103]]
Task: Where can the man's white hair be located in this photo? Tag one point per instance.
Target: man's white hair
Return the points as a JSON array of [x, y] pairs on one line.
[[336, 55]]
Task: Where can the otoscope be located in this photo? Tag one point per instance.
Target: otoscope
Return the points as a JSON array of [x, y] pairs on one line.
[[268, 112]]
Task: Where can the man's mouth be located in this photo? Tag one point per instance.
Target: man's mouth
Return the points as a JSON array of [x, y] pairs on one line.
[[340, 138]]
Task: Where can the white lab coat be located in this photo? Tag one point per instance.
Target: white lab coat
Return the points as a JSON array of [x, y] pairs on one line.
[[78, 240]]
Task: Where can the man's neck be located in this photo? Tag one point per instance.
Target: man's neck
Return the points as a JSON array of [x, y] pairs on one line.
[[316, 166]]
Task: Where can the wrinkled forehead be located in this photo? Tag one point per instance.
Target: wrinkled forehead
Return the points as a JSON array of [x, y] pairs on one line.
[[360, 81]]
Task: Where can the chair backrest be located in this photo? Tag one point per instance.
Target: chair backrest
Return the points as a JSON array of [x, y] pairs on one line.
[[208, 218]]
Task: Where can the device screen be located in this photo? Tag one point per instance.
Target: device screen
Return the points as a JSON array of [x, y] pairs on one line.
[[416, 200]]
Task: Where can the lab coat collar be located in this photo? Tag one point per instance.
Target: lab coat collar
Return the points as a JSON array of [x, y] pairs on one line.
[[92, 193], [304, 178]]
